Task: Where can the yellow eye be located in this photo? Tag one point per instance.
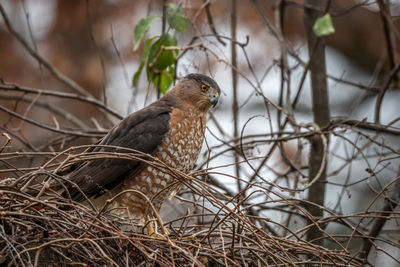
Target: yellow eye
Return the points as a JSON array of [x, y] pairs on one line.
[[204, 88]]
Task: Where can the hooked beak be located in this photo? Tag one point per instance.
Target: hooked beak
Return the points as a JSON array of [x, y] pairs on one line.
[[214, 99]]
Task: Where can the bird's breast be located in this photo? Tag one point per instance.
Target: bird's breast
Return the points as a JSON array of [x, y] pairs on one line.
[[184, 140], [180, 148]]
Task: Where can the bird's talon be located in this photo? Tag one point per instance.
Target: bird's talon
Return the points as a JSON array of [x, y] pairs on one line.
[[156, 235], [188, 237], [181, 238]]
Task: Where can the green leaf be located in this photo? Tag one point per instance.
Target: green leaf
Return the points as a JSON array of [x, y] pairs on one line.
[[161, 63], [142, 61], [159, 58], [324, 25], [140, 30], [176, 17], [164, 83]]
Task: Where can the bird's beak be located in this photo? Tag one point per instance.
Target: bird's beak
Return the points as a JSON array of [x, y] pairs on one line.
[[214, 99]]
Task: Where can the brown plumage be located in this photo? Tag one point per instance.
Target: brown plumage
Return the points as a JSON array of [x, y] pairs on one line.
[[171, 129]]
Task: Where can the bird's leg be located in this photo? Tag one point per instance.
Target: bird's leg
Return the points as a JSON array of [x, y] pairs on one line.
[[164, 230], [152, 229], [153, 232]]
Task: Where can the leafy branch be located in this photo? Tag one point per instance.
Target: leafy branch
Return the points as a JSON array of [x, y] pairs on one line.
[[160, 63]]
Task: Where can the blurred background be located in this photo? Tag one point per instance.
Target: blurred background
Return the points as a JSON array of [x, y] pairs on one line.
[[85, 50]]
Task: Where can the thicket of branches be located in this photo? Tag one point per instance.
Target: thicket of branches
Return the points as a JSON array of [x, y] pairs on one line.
[[255, 198]]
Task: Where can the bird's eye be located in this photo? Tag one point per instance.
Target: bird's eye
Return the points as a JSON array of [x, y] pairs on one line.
[[204, 88]]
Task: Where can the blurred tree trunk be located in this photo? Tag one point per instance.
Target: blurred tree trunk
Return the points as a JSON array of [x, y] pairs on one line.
[[320, 106], [235, 106]]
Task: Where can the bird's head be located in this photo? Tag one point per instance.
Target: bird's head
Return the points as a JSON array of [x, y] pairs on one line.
[[199, 90]]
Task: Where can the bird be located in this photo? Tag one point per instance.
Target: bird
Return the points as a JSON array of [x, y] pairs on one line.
[[170, 129]]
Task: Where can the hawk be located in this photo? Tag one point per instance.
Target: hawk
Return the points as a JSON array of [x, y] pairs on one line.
[[170, 129]]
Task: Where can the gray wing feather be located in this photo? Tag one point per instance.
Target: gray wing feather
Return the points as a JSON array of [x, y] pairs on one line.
[[143, 130]]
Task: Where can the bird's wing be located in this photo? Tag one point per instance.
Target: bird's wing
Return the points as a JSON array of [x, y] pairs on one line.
[[143, 130]]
